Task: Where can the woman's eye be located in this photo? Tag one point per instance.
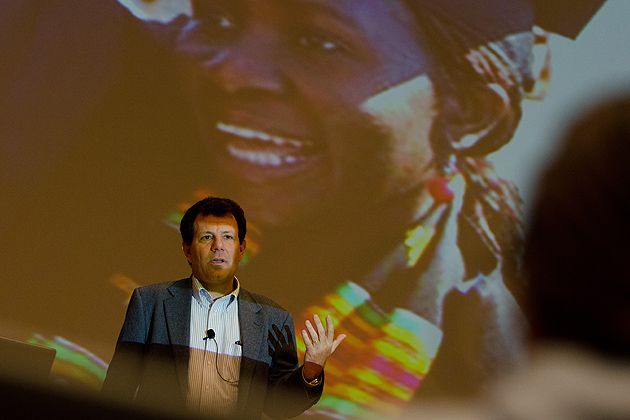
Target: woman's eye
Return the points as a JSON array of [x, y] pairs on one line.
[[215, 22], [315, 42], [222, 22], [203, 32], [212, 15], [210, 23]]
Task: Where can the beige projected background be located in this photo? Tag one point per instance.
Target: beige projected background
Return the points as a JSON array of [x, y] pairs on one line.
[[377, 149]]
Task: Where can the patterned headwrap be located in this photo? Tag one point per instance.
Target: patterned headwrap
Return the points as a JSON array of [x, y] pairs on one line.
[[495, 19], [492, 19], [489, 19]]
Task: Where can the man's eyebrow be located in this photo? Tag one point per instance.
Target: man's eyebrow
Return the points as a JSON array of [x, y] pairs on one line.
[[221, 231]]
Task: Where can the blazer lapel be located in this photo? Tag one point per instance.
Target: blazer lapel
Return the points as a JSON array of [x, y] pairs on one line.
[[177, 315], [253, 337]]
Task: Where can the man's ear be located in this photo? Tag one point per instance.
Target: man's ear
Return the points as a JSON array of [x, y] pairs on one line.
[[477, 122], [186, 249], [242, 247]]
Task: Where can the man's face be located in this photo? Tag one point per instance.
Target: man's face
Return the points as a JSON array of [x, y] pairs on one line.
[[280, 88], [215, 252]]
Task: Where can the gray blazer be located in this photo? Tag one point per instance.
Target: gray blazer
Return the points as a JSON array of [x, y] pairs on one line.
[[150, 363]]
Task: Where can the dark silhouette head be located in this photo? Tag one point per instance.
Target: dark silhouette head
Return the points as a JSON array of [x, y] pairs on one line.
[[578, 247]]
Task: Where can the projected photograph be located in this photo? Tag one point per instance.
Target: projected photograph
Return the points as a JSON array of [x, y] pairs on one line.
[[382, 152]]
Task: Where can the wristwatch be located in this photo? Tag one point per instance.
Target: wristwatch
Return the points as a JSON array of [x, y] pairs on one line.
[[314, 382]]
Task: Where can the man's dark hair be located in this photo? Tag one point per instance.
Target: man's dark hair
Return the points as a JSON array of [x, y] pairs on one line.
[[212, 206]]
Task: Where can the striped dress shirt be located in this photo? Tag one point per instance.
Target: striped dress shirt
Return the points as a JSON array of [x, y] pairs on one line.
[[213, 370]]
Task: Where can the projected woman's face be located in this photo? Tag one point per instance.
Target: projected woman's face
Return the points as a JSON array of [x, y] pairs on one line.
[[309, 101]]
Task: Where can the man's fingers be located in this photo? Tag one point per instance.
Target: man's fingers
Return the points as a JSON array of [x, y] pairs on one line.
[[313, 334], [320, 327], [306, 338], [330, 329], [322, 332], [337, 341]]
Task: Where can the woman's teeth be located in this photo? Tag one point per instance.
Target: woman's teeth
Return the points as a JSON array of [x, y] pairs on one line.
[[248, 133], [262, 157]]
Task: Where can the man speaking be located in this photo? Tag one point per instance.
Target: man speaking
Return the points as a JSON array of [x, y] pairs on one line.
[[206, 344]]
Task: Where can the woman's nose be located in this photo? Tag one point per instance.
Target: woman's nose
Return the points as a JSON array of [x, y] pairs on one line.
[[250, 63]]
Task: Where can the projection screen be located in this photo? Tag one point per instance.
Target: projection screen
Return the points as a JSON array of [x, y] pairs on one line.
[[384, 151]]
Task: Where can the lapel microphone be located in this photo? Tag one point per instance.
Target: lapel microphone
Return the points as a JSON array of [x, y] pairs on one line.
[[210, 336]]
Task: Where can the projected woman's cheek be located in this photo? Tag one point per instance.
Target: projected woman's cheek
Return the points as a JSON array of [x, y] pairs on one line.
[[406, 113]]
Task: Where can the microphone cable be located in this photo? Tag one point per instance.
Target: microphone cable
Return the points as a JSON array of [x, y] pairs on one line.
[[210, 335]]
